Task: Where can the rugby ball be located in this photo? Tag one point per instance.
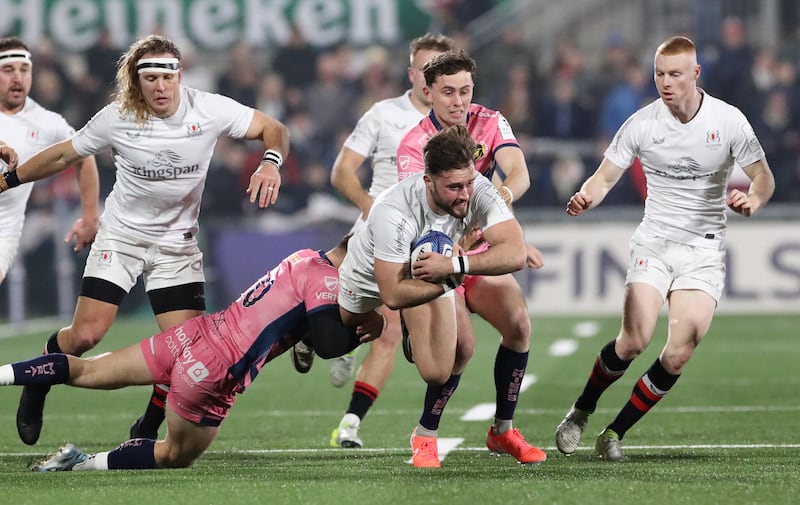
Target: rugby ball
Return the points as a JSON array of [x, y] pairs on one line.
[[432, 241]]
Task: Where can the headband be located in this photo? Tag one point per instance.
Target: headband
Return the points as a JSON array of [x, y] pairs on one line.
[[161, 65], [15, 55]]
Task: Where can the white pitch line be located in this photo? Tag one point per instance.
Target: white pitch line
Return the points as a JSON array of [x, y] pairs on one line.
[[448, 445]]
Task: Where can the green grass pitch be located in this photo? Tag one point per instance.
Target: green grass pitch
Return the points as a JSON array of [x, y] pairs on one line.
[[727, 433]]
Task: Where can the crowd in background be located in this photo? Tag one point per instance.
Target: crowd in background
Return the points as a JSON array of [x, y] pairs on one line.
[[563, 115]]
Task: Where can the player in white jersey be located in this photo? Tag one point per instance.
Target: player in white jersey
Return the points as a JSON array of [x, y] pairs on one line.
[[377, 136], [26, 127], [163, 136], [451, 197], [688, 143]]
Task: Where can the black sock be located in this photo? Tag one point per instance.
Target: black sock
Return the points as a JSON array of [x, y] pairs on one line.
[[363, 397], [154, 413], [608, 367], [52, 347], [649, 390], [509, 369], [436, 398]]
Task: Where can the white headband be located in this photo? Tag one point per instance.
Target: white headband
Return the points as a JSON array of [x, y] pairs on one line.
[[160, 65], [15, 55]]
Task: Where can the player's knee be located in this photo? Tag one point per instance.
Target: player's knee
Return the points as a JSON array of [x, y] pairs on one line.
[[80, 338], [435, 377]]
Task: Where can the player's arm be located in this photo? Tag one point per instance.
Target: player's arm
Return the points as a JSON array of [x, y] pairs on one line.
[[762, 186], [85, 228], [507, 252], [511, 161], [45, 163], [275, 136], [344, 177], [398, 291], [595, 188]]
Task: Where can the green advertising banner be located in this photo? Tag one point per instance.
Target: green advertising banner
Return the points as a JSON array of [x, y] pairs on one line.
[[214, 24]]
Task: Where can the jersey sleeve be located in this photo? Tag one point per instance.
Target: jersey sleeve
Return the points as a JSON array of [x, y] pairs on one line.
[[489, 207], [59, 129], [95, 136], [409, 156], [745, 147], [364, 136], [233, 117], [624, 147]]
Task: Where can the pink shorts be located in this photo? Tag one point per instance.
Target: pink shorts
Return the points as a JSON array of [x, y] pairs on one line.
[[200, 389]]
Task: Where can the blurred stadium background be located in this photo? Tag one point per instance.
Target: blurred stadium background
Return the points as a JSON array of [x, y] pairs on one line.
[[565, 74]]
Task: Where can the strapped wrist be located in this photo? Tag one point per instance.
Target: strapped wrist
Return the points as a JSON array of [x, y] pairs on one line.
[[9, 180], [274, 157], [510, 193], [460, 265]]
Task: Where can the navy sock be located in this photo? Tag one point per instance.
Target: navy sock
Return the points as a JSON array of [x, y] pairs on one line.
[[436, 398], [136, 454], [42, 370], [509, 369]]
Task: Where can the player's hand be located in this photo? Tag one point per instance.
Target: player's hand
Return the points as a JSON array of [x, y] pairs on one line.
[[471, 240], [372, 328], [436, 268], [265, 183], [739, 202], [83, 231], [535, 258], [9, 155], [579, 203]]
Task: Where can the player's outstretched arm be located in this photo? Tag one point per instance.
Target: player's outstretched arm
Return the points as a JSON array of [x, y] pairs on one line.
[[595, 188]]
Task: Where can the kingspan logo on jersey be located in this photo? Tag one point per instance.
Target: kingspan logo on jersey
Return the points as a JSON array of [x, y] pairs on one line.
[[166, 164]]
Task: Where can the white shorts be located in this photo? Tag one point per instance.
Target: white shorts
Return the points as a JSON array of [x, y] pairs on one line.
[[8, 251], [670, 266], [120, 258]]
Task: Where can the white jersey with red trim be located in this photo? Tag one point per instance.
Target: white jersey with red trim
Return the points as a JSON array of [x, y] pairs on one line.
[[28, 131], [161, 164], [377, 136], [687, 166]]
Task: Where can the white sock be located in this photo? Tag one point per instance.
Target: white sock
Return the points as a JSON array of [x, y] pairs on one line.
[[351, 419], [97, 461], [6, 375]]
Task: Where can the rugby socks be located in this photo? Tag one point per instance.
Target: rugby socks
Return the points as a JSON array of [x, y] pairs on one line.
[[363, 397], [436, 398], [608, 367], [41, 371], [154, 413], [509, 369], [649, 390], [136, 454], [52, 347]]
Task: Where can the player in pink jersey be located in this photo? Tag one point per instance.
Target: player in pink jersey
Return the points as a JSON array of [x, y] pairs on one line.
[[207, 360], [497, 299]]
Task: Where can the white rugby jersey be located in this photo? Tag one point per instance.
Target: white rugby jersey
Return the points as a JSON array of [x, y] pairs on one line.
[[378, 134], [687, 167], [28, 131], [161, 164], [401, 215]]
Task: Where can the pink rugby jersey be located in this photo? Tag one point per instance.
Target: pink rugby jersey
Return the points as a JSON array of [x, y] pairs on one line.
[[487, 127], [277, 304]]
